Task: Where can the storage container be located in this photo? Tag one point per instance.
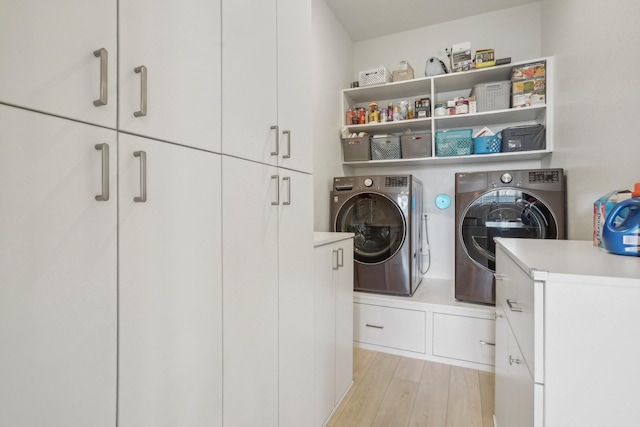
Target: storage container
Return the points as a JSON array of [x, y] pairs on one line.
[[454, 142], [415, 145], [374, 76], [487, 144], [385, 147], [356, 149], [524, 138], [492, 96]]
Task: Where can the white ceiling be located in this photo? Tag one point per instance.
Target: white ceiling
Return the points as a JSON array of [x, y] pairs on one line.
[[367, 19]]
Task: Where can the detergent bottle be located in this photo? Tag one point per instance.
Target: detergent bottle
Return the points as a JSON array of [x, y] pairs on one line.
[[622, 237]]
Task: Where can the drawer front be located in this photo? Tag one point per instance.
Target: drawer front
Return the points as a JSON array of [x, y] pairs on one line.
[[390, 327], [515, 295], [464, 338]]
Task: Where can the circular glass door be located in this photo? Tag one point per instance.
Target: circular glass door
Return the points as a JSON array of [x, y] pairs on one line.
[[505, 212], [378, 225]]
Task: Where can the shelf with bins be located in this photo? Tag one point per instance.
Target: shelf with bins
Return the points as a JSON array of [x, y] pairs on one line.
[[445, 87]]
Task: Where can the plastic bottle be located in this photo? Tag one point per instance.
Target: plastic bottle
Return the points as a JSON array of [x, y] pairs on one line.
[[349, 116], [623, 237]]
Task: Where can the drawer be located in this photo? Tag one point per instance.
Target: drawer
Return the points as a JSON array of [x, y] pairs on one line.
[[464, 338], [515, 295], [397, 328]]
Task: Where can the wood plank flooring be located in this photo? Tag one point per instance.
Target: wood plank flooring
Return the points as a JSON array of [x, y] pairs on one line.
[[396, 391]]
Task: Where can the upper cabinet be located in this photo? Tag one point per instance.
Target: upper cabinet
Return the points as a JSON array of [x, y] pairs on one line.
[[266, 95], [447, 87], [170, 72], [70, 69]]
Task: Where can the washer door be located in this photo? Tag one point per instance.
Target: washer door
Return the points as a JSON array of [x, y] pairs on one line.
[[378, 224], [504, 212]]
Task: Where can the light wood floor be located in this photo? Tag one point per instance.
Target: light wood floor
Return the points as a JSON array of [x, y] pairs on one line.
[[396, 391]]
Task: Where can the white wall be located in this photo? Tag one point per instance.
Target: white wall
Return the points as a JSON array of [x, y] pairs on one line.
[[513, 32], [332, 53], [517, 36], [597, 129]]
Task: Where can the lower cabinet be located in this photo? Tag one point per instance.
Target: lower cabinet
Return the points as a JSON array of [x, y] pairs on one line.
[[333, 272], [398, 328], [170, 292], [58, 272], [464, 338], [267, 295]]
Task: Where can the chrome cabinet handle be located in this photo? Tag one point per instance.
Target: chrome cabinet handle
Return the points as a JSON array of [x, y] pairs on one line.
[[498, 316], [143, 177], [104, 79], [105, 172], [512, 307], [512, 361], [275, 153], [341, 257], [142, 70], [288, 179], [276, 178], [288, 134], [487, 343], [374, 326], [335, 264]]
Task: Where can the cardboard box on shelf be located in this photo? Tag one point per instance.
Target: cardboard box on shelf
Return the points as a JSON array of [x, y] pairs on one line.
[[485, 58], [461, 59]]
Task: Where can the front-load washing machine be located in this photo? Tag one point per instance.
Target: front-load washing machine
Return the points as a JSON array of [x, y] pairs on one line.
[[384, 214], [507, 203]]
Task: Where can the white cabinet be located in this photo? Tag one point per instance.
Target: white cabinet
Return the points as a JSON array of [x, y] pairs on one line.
[[49, 62], [446, 87], [58, 289], [170, 72], [266, 95], [563, 341], [464, 337], [392, 327], [267, 244], [333, 272], [170, 293]]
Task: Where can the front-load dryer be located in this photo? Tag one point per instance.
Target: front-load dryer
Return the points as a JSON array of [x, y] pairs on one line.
[[384, 214], [506, 203]]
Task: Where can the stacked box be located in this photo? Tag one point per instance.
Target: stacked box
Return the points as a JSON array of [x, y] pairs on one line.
[[528, 87]]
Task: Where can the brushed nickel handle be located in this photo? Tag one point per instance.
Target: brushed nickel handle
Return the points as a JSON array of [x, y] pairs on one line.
[[275, 153], [341, 257], [498, 316], [142, 70], [487, 343], [374, 326], [288, 179], [512, 361], [277, 179], [335, 264], [143, 177], [288, 134], [512, 307], [105, 172], [104, 79]]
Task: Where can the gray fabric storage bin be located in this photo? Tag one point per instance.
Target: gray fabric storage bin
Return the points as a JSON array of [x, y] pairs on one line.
[[356, 149], [524, 138], [385, 147], [415, 145]]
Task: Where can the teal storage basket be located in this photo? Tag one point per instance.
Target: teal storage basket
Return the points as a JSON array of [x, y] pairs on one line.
[[487, 144], [456, 142]]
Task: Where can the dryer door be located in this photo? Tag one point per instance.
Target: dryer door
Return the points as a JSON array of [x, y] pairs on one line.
[[378, 224], [505, 212]]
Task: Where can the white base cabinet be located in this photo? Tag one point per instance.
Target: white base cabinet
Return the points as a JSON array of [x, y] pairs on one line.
[[564, 356], [58, 277], [430, 325], [333, 366]]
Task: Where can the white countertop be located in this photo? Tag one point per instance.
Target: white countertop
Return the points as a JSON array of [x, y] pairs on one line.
[[321, 238], [570, 258]]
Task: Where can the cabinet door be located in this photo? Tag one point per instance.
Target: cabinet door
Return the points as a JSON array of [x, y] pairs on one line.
[[344, 318], [250, 297], [295, 294], [295, 84], [58, 265], [325, 265], [179, 44], [170, 302], [249, 91], [503, 383], [48, 61]]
